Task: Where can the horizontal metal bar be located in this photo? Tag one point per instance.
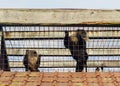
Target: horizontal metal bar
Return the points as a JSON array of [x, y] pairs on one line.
[[114, 63], [72, 67], [11, 51], [59, 35]]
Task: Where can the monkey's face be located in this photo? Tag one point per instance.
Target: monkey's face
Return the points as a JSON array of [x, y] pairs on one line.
[[83, 34], [32, 56], [31, 53]]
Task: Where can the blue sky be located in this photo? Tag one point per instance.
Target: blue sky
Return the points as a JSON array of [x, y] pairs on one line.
[[92, 4]]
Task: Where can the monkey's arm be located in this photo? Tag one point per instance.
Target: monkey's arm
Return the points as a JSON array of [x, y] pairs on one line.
[[66, 40], [25, 62], [66, 44], [38, 62]]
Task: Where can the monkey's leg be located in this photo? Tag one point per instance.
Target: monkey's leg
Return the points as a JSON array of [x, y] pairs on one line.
[[79, 66], [85, 60], [37, 70], [85, 64], [76, 68], [26, 67]]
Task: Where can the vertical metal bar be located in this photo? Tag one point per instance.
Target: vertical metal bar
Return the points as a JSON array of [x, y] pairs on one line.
[[4, 65]]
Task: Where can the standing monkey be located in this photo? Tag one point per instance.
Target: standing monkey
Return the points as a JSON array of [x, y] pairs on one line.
[[76, 43], [31, 61]]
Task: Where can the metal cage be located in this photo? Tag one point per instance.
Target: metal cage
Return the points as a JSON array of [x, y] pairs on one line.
[[103, 47]]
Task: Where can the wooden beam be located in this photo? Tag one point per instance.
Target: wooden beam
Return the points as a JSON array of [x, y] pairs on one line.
[[12, 51], [114, 63], [59, 16], [54, 34]]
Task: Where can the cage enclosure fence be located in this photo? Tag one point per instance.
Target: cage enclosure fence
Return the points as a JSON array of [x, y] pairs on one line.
[[102, 46]]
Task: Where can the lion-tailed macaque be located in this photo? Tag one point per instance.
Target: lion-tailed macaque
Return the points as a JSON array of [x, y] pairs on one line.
[[31, 61], [75, 41]]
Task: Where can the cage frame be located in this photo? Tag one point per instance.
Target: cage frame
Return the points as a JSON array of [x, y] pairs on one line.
[[39, 17]]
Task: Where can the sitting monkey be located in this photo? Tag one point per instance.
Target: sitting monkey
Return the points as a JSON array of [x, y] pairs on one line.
[[31, 61]]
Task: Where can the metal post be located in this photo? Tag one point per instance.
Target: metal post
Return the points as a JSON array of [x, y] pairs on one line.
[[4, 65]]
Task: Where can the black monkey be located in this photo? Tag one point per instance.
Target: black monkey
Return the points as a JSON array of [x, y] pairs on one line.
[[31, 61], [76, 43]]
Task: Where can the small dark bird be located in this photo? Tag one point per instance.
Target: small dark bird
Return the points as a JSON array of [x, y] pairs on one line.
[[99, 68], [31, 61], [102, 67], [76, 43]]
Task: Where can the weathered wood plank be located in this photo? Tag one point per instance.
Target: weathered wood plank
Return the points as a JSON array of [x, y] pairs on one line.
[[11, 51], [114, 63], [59, 16], [14, 35]]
